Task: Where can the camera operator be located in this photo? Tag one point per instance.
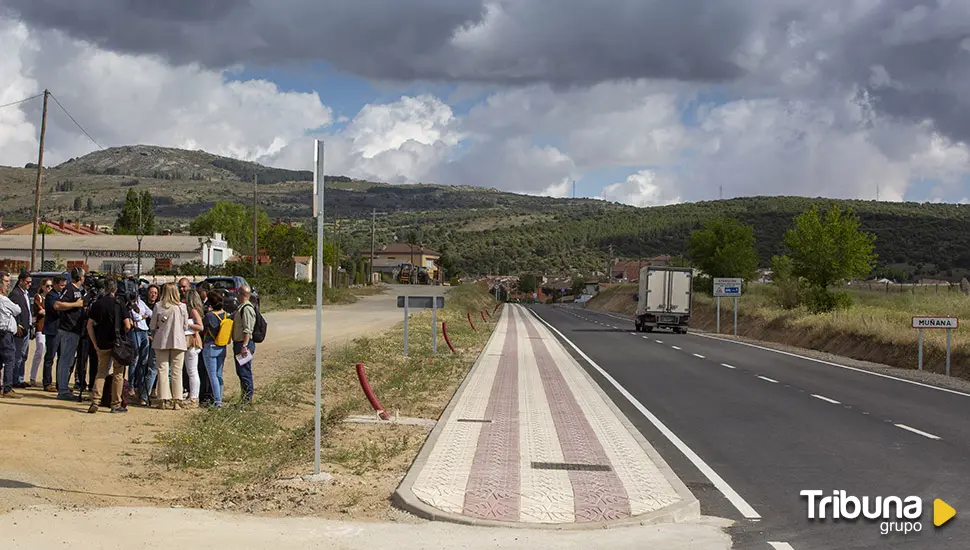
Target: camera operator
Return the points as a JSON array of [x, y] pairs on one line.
[[91, 292], [70, 308]]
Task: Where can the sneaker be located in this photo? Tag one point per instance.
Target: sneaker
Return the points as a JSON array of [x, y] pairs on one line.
[[66, 397], [50, 388], [119, 410], [93, 408], [12, 395]]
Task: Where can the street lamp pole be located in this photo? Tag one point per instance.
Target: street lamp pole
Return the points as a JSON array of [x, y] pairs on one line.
[[208, 256], [141, 230]]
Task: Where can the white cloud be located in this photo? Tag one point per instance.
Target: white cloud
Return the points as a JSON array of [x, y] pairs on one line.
[[535, 139], [123, 99], [645, 188]]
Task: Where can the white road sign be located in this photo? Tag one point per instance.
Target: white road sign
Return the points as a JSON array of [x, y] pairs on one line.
[[935, 322], [725, 286]]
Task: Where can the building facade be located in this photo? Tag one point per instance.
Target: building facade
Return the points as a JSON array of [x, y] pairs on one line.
[[390, 258], [115, 253]]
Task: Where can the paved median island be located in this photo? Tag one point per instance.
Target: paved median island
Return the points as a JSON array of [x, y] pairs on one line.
[[530, 439]]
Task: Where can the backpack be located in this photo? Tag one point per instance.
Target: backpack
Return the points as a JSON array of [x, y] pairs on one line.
[[259, 328], [224, 336], [106, 393]]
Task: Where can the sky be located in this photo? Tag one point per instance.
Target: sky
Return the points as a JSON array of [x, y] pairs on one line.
[[644, 102]]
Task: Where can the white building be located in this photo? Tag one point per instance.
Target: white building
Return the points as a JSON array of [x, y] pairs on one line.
[[115, 253]]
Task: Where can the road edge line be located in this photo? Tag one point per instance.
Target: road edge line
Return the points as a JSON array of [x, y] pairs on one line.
[[746, 510], [831, 364]]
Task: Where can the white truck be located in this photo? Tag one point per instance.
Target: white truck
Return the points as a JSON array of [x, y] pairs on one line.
[[665, 298]]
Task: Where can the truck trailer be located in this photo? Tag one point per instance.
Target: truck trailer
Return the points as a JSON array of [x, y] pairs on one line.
[[665, 299]]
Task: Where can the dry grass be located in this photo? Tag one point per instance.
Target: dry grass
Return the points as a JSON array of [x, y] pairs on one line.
[[234, 455], [876, 328]]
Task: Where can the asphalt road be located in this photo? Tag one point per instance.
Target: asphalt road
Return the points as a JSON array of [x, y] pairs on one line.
[[761, 426]]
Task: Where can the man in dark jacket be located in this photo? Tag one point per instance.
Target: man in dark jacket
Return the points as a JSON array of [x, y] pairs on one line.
[[20, 295], [107, 320], [51, 321]]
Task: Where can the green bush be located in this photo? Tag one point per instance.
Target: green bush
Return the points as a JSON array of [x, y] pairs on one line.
[[823, 300]]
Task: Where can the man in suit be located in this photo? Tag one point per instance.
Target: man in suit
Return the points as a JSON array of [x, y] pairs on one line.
[[20, 295]]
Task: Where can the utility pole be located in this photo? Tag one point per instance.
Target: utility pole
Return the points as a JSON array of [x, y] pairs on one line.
[[141, 231], [574, 189], [373, 242], [720, 191], [877, 191], [609, 266], [40, 175], [255, 231]]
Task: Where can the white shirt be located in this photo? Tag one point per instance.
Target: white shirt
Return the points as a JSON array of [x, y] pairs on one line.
[[136, 319], [8, 313]]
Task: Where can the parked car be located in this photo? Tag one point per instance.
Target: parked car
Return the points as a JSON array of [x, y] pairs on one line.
[[229, 286], [37, 277]]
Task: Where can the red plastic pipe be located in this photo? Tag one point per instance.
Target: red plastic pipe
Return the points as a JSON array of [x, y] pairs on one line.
[[444, 330], [469, 315], [483, 315], [496, 307], [370, 394]]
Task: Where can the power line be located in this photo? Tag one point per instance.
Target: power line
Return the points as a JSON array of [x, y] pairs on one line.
[[21, 101], [76, 122]]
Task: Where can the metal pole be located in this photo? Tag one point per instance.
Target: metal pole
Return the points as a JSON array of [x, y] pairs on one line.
[[43, 247], [948, 351], [920, 361], [735, 316], [718, 300], [40, 176], [434, 325], [406, 325], [318, 168], [373, 243], [255, 231]]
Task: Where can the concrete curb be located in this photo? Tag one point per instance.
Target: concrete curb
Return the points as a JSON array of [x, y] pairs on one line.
[[686, 510]]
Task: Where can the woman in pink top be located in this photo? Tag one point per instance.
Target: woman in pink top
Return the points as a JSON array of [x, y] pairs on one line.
[[170, 321]]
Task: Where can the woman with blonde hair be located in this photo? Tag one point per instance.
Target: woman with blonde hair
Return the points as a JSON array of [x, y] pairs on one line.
[[170, 321], [193, 302]]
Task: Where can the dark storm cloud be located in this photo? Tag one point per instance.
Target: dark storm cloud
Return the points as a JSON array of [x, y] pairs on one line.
[[922, 46], [564, 41]]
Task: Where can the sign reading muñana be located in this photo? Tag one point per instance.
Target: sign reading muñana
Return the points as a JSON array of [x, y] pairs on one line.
[[935, 322]]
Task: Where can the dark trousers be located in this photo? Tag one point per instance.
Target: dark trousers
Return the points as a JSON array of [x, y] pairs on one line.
[[8, 359], [52, 342], [86, 364], [244, 372]]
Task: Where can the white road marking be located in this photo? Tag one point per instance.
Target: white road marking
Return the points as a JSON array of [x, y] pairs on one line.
[[831, 364], [823, 398], [698, 355], [915, 431], [657, 341], [675, 347], [634, 334], [733, 497], [781, 546], [766, 379], [728, 366]]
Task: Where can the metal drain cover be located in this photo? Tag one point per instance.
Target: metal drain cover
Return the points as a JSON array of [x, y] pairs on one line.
[[572, 467]]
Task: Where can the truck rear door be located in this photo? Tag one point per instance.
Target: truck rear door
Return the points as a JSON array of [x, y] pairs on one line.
[[679, 288], [656, 299]]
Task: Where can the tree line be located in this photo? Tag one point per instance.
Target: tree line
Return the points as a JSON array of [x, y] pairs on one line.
[[821, 250]]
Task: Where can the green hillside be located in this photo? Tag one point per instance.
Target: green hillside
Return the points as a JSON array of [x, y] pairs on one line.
[[482, 230]]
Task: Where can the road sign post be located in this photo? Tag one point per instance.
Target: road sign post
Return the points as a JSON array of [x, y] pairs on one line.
[[434, 303], [948, 323], [318, 203], [727, 287]]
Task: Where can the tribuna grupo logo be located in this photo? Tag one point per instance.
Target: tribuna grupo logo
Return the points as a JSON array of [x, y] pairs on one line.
[[895, 514]]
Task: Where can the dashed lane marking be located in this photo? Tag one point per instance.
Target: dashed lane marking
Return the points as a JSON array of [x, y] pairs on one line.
[[915, 431], [823, 398]]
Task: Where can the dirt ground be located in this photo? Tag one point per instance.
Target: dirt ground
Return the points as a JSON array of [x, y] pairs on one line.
[[53, 452]]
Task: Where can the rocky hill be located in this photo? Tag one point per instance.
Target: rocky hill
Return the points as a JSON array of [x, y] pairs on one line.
[[483, 230]]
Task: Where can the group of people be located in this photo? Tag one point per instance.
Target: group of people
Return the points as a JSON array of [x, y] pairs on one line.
[[173, 331]]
